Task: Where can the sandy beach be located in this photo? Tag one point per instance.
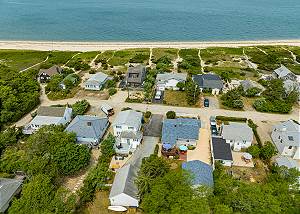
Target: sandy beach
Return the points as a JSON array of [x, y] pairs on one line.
[[101, 46]]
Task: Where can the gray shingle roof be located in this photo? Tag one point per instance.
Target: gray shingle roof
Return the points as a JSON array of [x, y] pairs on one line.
[[124, 182], [131, 135], [8, 188], [136, 74], [51, 71], [237, 131], [202, 173], [288, 162], [282, 71], [208, 81], [248, 84], [51, 111], [221, 149], [286, 134], [98, 78], [129, 117], [168, 76], [180, 128], [88, 126]]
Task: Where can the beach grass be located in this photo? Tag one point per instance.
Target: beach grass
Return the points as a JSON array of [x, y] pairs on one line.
[[106, 55], [60, 57], [122, 57], [85, 57], [190, 61], [211, 56], [21, 59], [158, 53]]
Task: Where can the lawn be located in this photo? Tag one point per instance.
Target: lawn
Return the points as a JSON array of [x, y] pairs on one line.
[[190, 61], [158, 53], [123, 57], [21, 59], [177, 98]]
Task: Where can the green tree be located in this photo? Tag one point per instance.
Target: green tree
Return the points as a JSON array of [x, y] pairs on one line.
[[192, 92], [80, 107], [268, 150], [254, 150], [180, 85]]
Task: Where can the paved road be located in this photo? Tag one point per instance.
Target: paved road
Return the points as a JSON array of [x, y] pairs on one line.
[[118, 102], [144, 150]]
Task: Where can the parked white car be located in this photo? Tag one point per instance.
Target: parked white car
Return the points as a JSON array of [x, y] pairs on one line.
[[158, 95]]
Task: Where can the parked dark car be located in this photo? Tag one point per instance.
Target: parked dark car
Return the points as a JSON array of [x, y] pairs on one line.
[[214, 130], [206, 102]]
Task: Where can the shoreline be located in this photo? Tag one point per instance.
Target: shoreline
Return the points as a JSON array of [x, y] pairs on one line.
[[102, 46]]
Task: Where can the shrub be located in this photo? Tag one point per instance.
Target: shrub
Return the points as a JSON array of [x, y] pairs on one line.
[[129, 100], [80, 107], [254, 150], [112, 91], [148, 114], [156, 149], [171, 115], [268, 151]]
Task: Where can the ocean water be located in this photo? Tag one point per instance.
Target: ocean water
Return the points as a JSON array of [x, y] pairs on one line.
[[149, 20]]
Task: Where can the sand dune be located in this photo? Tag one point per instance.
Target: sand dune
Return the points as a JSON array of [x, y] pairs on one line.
[[92, 46]]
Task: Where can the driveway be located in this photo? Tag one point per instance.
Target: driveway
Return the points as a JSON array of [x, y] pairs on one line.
[[202, 151], [145, 150], [153, 128], [160, 101]]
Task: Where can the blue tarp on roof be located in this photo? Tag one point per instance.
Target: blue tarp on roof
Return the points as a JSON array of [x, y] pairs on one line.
[[180, 128], [202, 173]]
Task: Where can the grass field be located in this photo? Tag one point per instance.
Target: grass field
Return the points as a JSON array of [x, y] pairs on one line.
[[85, 57], [60, 57], [123, 57], [211, 56], [177, 98], [105, 55], [157, 53], [190, 61], [19, 59]]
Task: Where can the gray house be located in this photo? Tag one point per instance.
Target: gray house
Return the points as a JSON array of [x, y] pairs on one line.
[[286, 137], [89, 130], [8, 189], [124, 191], [180, 131], [284, 73], [135, 76], [249, 84], [221, 151], [209, 82], [45, 75], [96, 82]]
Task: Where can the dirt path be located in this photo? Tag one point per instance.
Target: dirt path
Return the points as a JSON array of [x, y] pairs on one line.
[[70, 59], [92, 63], [175, 62], [262, 50], [293, 56], [250, 64], [202, 64], [150, 58], [35, 65]]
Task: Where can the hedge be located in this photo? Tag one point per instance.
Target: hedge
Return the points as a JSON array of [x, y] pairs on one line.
[[233, 119]]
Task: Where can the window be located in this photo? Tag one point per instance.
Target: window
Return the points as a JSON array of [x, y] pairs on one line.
[[130, 127], [290, 147], [291, 138], [118, 127], [128, 141]]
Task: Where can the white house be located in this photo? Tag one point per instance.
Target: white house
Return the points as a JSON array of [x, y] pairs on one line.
[[238, 135], [96, 82], [286, 137], [48, 115], [89, 129], [126, 128], [124, 191], [169, 80]]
